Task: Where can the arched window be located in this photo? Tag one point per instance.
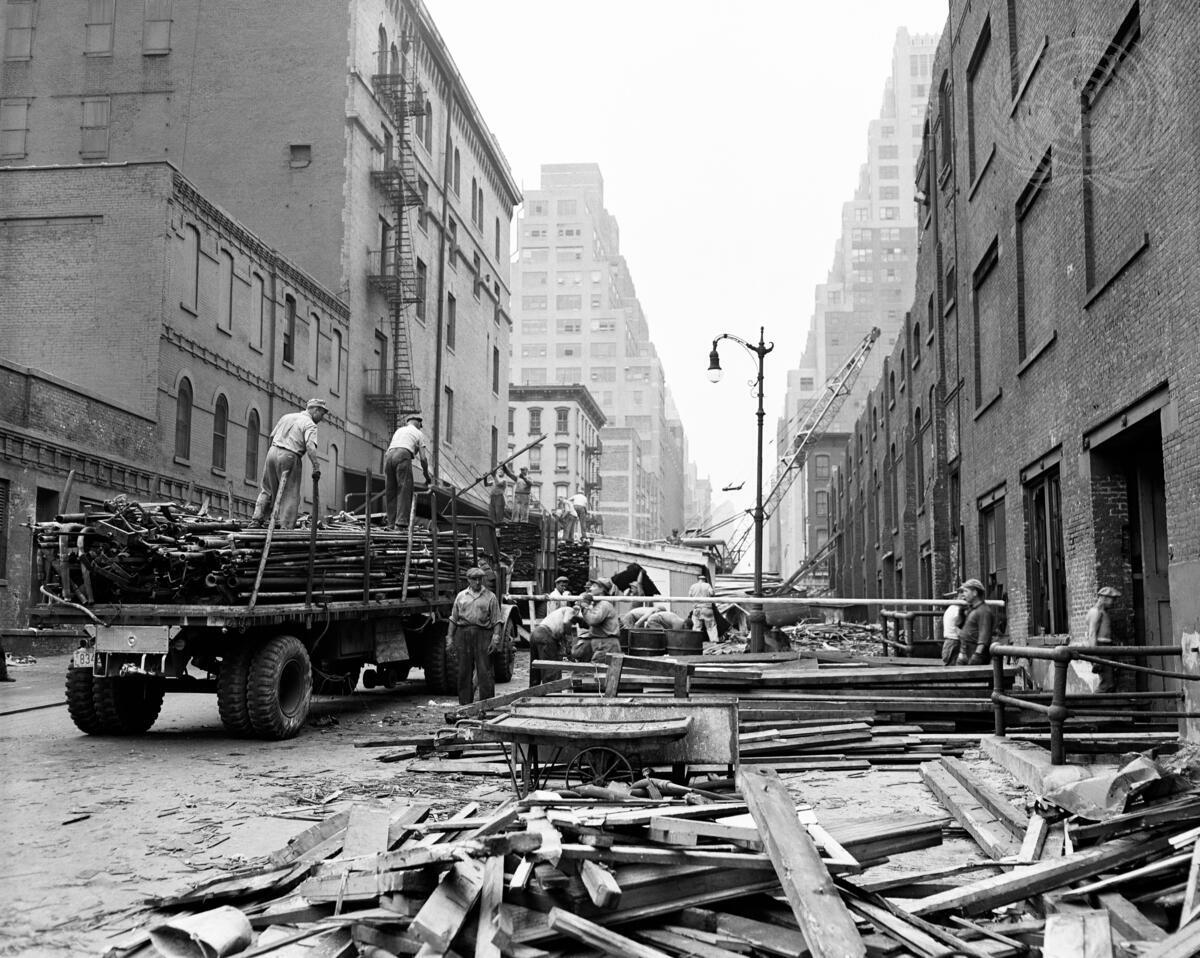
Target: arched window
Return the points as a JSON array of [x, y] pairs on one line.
[[903, 374], [916, 343], [333, 477], [191, 267], [892, 386], [456, 175], [395, 60], [381, 56], [183, 420], [920, 450], [253, 428], [474, 200], [220, 432], [225, 292], [427, 132]]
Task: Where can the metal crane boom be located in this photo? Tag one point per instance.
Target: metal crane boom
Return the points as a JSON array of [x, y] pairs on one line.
[[812, 426]]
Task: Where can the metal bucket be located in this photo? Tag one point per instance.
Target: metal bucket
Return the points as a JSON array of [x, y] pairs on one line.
[[684, 642], [647, 642]]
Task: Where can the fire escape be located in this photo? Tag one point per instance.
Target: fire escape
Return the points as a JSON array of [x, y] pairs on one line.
[[392, 269]]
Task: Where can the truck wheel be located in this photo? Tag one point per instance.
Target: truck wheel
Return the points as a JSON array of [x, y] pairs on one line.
[[504, 659], [79, 701], [126, 706], [441, 664], [232, 678], [279, 688]]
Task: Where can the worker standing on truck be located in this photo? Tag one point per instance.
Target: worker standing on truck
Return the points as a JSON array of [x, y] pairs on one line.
[[407, 441], [294, 436], [475, 626], [522, 488], [497, 486]]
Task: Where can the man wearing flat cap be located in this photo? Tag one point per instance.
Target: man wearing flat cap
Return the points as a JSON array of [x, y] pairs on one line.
[[294, 436], [975, 636], [601, 619], [558, 598], [1099, 632], [475, 626], [407, 441]]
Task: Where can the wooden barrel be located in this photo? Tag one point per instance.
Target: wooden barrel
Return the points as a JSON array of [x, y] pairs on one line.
[[647, 642], [684, 642]]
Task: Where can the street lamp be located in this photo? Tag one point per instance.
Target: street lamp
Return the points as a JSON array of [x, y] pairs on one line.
[[757, 617]]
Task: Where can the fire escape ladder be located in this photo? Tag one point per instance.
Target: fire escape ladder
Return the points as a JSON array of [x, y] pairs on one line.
[[393, 269]]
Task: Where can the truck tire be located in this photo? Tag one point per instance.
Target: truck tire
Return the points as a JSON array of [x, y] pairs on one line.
[[279, 688], [80, 706], [504, 659], [232, 679], [441, 665], [126, 706]]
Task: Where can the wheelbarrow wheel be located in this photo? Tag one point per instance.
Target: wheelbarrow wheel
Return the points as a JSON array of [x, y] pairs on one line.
[[598, 765]]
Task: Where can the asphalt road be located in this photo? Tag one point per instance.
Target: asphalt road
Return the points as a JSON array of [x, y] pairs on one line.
[[92, 826]]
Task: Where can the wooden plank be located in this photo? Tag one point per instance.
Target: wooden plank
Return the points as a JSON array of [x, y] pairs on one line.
[[1078, 934], [602, 887], [1011, 817], [827, 926], [716, 939], [367, 831], [310, 838], [1184, 943], [597, 936], [1034, 840], [491, 896], [763, 936], [403, 819], [444, 912], [499, 701], [612, 677], [1127, 920], [995, 840], [648, 855], [683, 945], [1027, 881]]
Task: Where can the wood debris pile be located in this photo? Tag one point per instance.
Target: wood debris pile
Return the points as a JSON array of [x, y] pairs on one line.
[[521, 541], [161, 552], [574, 560], [557, 874], [851, 637]]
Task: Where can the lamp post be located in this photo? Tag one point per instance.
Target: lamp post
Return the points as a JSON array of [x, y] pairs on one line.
[[757, 617]]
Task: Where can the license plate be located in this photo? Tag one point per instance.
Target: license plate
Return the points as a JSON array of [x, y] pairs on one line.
[[84, 659]]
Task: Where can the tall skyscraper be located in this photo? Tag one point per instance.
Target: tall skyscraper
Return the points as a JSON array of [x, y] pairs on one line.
[[577, 319], [869, 284]]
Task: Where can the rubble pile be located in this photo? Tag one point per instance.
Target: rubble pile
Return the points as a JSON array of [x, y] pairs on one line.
[[161, 552]]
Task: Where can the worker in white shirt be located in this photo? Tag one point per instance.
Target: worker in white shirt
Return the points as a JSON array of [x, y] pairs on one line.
[[560, 596], [407, 441], [294, 436], [953, 619], [551, 640], [702, 612], [579, 502]]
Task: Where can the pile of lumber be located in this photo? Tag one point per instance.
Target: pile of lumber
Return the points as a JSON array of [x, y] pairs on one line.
[[521, 541], [559, 874], [573, 562], [854, 637], [161, 552]]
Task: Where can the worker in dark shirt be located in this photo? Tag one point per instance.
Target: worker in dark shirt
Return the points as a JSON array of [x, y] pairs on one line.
[[975, 636]]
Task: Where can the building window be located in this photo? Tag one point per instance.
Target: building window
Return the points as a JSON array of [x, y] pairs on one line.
[[533, 350], [562, 421], [474, 201], [183, 421], [448, 393], [4, 487], [977, 93], [569, 327], [1034, 247], [889, 192], [497, 238], [533, 327], [1045, 567], [822, 508], [993, 558], [919, 449], [156, 28], [225, 292], [220, 432], [456, 174], [94, 128], [451, 319], [289, 329], [916, 345], [986, 310], [561, 459], [568, 254], [603, 350], [567, 350], [568, 375], [495, 445], [889, 172], [566, 207], [476, 266], [21, 18], [945, 120], [496, 370], [336, 348], [822, 466], [533, 377], [535, 421], [512, 421], [427, 129], [98, 35], [422, 280], [191, 268], [888, 151], [315, 334], [535, 302], [535, 459], [14, 120]]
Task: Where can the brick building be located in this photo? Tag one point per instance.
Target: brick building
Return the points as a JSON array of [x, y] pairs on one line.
[[149, 342], [569, 459], [354, 148], [869, 284], [1037, 424]]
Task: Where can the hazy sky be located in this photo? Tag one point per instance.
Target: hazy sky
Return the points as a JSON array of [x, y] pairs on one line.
[[729, 135]]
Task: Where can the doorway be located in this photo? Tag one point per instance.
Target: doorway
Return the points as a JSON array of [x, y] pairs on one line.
[[1129, 507]]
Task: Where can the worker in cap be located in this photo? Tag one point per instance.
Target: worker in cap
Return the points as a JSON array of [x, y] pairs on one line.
[[407, 441], [1099, 632], [601, 618], [474, 630], [953, 619], [294, 436], [559, 596], [975, 636]]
